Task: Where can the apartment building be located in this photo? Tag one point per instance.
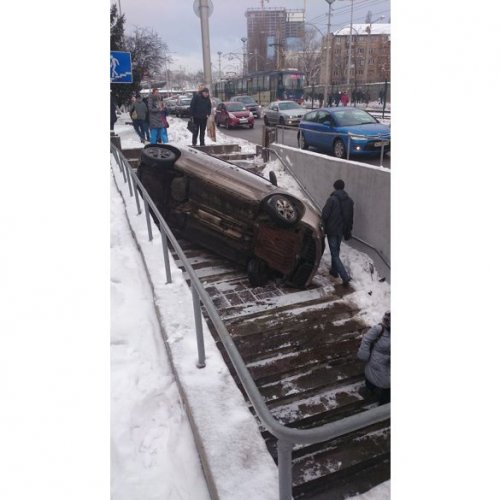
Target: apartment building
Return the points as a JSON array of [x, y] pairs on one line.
[[270, 33], [370, 49]]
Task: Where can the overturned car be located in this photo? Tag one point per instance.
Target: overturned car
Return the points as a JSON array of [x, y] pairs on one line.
[[235, 213]]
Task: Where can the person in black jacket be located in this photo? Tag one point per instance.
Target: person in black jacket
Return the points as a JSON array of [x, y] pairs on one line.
[[200, 107], [337, 217]]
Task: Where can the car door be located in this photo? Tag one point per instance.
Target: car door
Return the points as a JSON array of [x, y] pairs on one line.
[[307, 127], [324, 126], [273, 113]]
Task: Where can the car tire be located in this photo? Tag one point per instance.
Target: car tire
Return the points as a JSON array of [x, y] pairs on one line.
[[301, 141], [339, 150], [217, 123], [282, 121], [258, 272], [250, 126], [282, 210], [159, 155], [266, 121]]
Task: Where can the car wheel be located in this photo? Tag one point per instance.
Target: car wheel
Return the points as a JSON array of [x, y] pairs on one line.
[[159, 155], [266, 121], [250, 126], [258, 272], [302, 142], [217, 122], [282, 210], [282, 121], [339, 149]]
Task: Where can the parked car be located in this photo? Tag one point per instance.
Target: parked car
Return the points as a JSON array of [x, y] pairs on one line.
[[170, 105], [232, 114], [182, 107], [334, 130], [249, 103], [235, 213], [283, 113]]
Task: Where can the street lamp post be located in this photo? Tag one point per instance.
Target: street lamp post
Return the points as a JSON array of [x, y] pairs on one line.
[[219, 53], [245, 68], [328, 40]]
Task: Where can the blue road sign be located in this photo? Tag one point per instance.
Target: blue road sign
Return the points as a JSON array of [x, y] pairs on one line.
[[120, 67]]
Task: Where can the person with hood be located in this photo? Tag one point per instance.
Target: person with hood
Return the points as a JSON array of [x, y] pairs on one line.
[[201, 107], [344, 98], [337, 218], [375, 350], [156, 126]]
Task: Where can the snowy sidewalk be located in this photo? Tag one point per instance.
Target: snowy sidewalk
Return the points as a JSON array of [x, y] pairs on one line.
[[153, 455]]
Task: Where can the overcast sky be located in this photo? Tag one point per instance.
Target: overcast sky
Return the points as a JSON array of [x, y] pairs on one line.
[[177, 24]]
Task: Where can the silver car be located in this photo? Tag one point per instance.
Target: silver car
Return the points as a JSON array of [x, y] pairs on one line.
[[283, 113]]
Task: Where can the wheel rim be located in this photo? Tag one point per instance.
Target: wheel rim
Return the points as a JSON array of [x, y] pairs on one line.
[[285, 209], [338, 149]]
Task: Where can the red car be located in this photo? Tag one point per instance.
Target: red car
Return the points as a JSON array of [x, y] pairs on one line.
[[233, 114]]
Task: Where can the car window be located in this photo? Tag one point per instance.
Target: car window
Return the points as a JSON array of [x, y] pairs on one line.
[[323, 117], [220, 106], [235, 106], [246, 100], [288, 105], [185, 101], [310, 117], [350, 117]]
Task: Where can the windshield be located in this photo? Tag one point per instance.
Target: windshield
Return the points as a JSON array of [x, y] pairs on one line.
[[293, 81], [235, 106], [246, 100], [288, 105], [349, 117]]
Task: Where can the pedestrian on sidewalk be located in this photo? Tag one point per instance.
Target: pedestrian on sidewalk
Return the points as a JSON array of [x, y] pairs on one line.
[[337, 217], [156, 127], [344, 98], [375, 350], [138, 112], [201, 107]]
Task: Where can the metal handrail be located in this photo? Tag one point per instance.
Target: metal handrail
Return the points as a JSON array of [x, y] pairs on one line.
[[286, 436]]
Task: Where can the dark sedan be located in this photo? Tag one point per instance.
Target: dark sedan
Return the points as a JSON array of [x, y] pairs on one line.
[[182, 108]]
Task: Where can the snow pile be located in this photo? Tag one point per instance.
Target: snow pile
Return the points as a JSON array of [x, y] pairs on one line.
[[153, 454]]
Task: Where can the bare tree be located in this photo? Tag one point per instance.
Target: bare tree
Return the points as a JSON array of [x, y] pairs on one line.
[[149, 53], [308, 58]]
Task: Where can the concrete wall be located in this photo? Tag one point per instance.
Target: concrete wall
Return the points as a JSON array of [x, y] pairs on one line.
[[368, 186]]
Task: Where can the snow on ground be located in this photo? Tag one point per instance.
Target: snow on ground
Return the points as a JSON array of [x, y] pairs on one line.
[[150, 438], [153, 455]]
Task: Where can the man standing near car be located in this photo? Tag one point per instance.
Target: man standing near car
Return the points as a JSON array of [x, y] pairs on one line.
[[200, 107], [337, 217]]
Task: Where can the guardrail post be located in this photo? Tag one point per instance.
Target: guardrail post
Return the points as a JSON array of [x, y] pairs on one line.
[[285, 469], [129, 182], [122, 168], [148, 219], [165, 255], [137, 202], [199, 327]]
